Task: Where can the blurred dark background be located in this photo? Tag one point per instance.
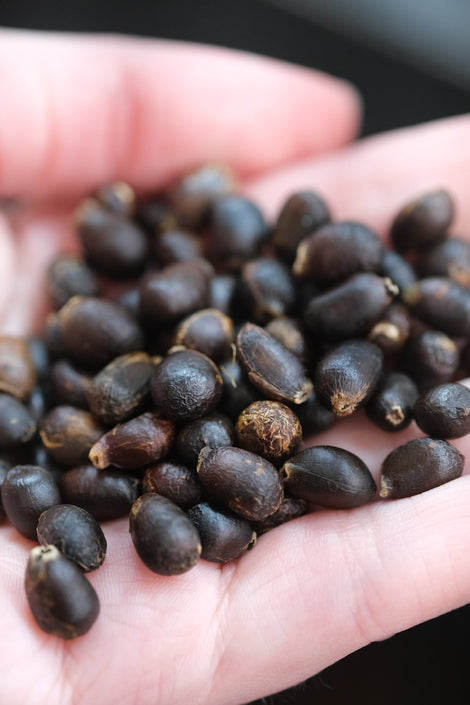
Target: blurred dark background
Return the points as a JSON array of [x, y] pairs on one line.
[[411, 62]]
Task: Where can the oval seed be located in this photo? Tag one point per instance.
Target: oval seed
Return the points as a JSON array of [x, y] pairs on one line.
[[330, 477], [392, 404], [68, 434], [444, 411], [17, 371], [176, 482], [75, 533], [165, 539], [27, 491], [441, 303], [208, 331], [301, 214], [68, 275], [430, 358], [213, 431], [61, 599], [224, 536], [422, 222], [418, 466], [17, 424]]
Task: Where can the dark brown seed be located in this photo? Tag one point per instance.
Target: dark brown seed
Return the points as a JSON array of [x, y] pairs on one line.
[[134, 444], [214, 431], [391, 332], [221, 293], [111, 243], [27, 491], [265, 289], [289, 509], [75, 533], [337, 250], [441, 303], [302, 213], [165, 539], [330, 477], [52, 336], [175, 291], [391, 406], [430, 358], [117, 197], [423, 222], [17, 425], [244, 482], [418, 466], [269, 429], [105, 494], [238, 230], [191, 196], [396, 268], [347, 376], [60, 597], [70, 384], [39, 402], [154, 215], [186, 385], [209, 331], [130, 301], [224, 536], [121, 388], [444, 411], [67, 276], [176, 482], [450, 258], [237, 391], [272, 368], [68, 434], [17, 372], [170, 246], [314, 416], [95, 331], [288, 331], [39, 355], [349, 309]]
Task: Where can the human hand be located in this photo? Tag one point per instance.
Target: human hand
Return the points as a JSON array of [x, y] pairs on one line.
[[313, 590]]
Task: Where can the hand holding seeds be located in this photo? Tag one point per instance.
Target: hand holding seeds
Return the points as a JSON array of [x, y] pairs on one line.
[[184, 477]]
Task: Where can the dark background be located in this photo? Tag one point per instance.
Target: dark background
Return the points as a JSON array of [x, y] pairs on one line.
[[426, 665]]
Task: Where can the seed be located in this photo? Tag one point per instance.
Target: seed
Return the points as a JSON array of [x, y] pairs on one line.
[[450, 258], [441, 303], [213, 431], [265, 289], [27, 491], [191, 196], [337, 250], [175, 291], [330, 477], [70, 384], [176, 482], [237, 230], [314, 416], [347, 376], [134, 443], [165, 539], [392, 404], [430, 358], [209, 331], [221, 293], [302, 213], [398, 270], [17, 372], [272, 368], [288, 331], [111, 243], [170, 246], [269, 429], [423, 222], [418, 466], [121, 388], [289, 509], [117, 197], [224, 536], [95, 331], [350, 308], [186, 385], [17, 424], [444, 411], [244, 482], [61, 599], [154, 215], [68, 434], [391, 332], [68, 275], [75, 533], [105, 494]]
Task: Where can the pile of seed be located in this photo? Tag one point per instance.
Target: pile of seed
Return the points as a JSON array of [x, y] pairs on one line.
[[191, 349]]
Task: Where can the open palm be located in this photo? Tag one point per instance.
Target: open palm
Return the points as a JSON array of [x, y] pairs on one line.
[[79, 112]]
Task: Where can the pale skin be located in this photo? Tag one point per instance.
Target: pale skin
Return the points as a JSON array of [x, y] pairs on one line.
[[78, 112]]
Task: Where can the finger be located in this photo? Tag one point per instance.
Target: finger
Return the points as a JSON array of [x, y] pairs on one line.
[[372, 179], [80, 111], [329, 583]]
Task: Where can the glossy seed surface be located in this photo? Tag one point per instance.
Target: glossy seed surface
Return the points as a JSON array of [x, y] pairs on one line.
[[17, 371], [175, 481], [224, 536], [17, 424], [441, 303], [444, 411], [391, 407], [68, 433], [423, 222], [330, 477], [27, 491]]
